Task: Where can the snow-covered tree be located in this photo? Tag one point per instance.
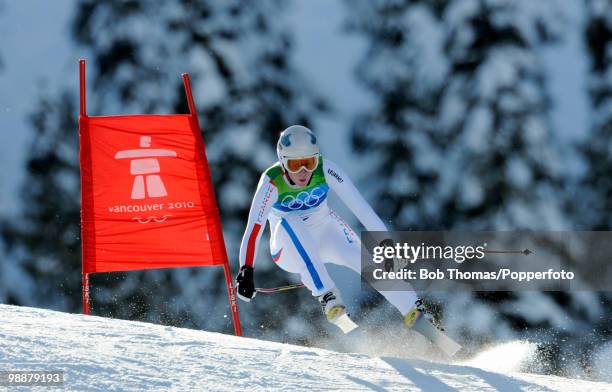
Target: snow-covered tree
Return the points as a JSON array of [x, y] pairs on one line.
[[598, 146], [247, 90], [596, 188], [405, 69], [501, 167], [460, 132], [460, 137]]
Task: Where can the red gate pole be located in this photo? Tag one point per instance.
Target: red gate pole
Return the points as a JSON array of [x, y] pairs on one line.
[[83, 102], [86, 306], [83, 113], [232, 299], [226, 268]]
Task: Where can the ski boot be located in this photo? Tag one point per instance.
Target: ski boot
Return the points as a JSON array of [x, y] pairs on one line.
[[418, 311], [332, 305], [420, 320], [335, 311]]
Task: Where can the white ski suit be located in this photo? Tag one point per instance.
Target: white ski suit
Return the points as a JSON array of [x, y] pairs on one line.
[[306, 233]]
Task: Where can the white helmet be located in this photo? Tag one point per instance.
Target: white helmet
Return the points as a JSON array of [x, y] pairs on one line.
[[296, 142]]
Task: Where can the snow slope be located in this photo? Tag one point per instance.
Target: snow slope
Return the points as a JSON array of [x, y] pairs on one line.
[[100, 354]]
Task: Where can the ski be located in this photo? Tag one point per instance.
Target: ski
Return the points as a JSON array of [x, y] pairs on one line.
[[437, 337], [344, 322]]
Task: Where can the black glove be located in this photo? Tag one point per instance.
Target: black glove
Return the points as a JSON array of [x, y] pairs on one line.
[[388, 262], [245, 284]]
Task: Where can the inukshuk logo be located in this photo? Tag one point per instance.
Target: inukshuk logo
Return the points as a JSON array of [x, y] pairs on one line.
[[145, 168]]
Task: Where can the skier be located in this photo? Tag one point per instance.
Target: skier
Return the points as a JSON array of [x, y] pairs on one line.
[[305, 232]]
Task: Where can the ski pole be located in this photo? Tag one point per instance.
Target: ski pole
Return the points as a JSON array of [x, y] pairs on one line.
[[277, 289]]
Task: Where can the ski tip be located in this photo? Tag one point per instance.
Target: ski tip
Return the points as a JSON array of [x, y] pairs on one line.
[[447, 345], [451, 350], [345, 323]]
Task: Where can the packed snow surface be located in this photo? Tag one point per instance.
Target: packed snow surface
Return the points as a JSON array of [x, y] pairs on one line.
[[100, 354]]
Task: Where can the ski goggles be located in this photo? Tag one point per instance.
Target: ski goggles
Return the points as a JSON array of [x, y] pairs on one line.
[[294, 165]]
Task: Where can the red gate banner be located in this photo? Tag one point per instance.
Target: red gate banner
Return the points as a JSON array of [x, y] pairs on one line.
[[147, 195], [146, 198]]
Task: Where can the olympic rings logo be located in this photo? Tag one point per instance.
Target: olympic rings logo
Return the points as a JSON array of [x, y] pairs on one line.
[[304, 199]]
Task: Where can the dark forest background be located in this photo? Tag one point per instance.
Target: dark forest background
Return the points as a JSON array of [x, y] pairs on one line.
[[460, 133]]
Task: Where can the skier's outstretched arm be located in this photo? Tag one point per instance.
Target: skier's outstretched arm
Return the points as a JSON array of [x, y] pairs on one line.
[[265, 196], [342, 185], [401, 294]]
